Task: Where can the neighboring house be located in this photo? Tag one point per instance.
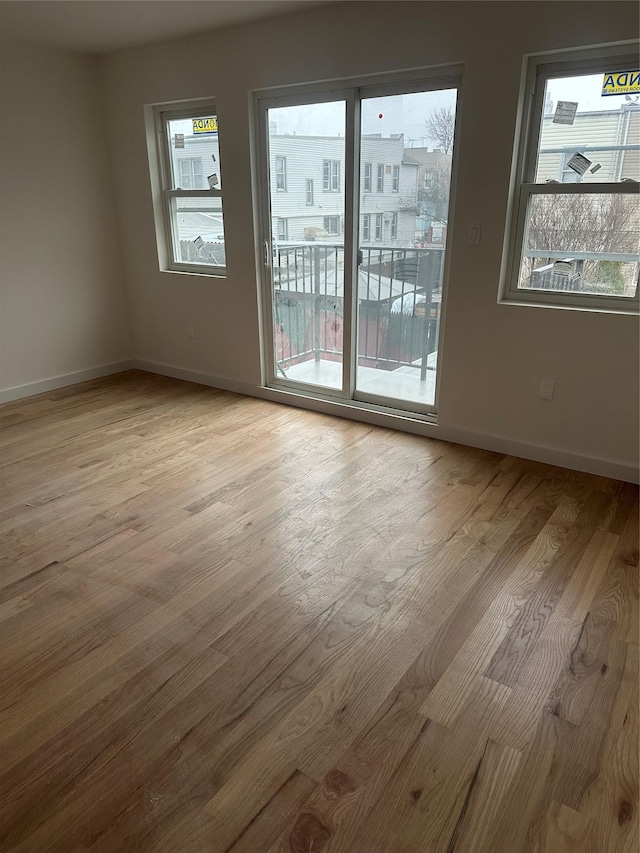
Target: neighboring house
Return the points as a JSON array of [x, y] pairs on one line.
[[196, 159], [432, 194], [611, 130], [307, 189]]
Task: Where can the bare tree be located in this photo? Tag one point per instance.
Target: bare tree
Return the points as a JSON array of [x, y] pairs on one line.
[[441, 126], [433, 199], [584, 223]]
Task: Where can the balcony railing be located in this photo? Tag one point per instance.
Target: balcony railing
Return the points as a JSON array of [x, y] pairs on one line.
[[399, 296]]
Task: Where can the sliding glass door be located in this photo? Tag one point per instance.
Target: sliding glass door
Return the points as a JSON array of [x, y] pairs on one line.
[[355, 208], [306, 144]]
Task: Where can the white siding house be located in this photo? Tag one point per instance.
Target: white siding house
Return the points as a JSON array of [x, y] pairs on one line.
[[307, 189], [592, 130]]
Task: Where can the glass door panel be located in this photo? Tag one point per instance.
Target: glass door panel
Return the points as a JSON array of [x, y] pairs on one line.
[[306, 150], [406, 149]]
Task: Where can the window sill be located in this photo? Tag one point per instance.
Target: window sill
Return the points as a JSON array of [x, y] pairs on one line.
[[199, 272], [526, 301]]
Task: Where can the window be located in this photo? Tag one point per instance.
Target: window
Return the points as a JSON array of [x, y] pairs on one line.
[[332, 224], [190, 169], [309, 191], [378, 226], [428, 179], [567, 174], [191, 184], [367, 178], [379, 178], [575, 233], [331, 176], [366, 228], [396, 179], [283, 229], [394, 226], [281, 173]]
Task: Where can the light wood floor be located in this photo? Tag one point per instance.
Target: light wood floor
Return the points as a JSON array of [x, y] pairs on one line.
[[232, 625]]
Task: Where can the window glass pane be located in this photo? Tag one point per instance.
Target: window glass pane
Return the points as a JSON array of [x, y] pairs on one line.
[[402, 243], [583, 243], [199, 231], [308, 266], [194, 153], [603, 131]]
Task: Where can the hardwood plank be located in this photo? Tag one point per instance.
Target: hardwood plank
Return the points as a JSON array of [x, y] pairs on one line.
[[611, 801], [511, 655], [495, 778], [227, 624], [563, 831]]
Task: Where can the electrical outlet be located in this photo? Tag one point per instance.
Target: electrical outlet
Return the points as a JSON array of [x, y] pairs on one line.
[[546, 389], [191, 330]]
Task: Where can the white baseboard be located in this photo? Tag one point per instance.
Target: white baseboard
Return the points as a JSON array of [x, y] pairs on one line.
[[7, 395], [485, 441], [543, 453]]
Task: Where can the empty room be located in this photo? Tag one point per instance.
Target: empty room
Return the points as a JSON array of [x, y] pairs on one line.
[[319, 426]]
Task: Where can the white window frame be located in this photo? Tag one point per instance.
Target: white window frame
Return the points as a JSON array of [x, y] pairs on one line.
[[366, 183], [378, 226], [308, 188], [283, 228], [523, 186], [281, 173], [169, 252], [331, 176], [395, 180], [330, 221], [183, 161], [366, 227], [380, 178], [393, 227]]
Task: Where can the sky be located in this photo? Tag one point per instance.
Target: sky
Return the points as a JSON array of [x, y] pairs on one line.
[[389, 115], [586, 91], [408, 114]]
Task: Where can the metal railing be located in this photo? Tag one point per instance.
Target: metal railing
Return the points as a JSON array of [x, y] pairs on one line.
[[399, 294]]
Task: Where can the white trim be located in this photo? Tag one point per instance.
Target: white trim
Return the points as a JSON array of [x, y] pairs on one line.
[[18, 392], [537, 70], [406, 423], [158, 117], [353, 96]]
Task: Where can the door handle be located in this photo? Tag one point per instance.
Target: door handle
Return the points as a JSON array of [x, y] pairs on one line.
[[266, 254]]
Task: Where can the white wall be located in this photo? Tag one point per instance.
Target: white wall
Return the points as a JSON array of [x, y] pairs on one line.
[[494, 355], [63, 311]]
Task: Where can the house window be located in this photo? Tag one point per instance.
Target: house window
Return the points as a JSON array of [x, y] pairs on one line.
[[428, 179], [283, 229], [575, 232], [378, 226], [281, 173], [331, 176], [394, 226], [332, 224], [190, 169], [309, 191], [567, 174], [396, 179], [366, 227], [367, 177], [379, 178], [191, 184]]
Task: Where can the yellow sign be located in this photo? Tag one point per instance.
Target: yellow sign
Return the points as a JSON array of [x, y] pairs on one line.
[[621, 83], [205, 125]]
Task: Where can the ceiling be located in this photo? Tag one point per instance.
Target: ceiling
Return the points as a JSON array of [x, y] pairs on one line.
[[101, 26]]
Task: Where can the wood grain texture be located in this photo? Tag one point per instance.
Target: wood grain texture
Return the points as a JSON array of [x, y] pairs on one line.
[[229, 625]]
